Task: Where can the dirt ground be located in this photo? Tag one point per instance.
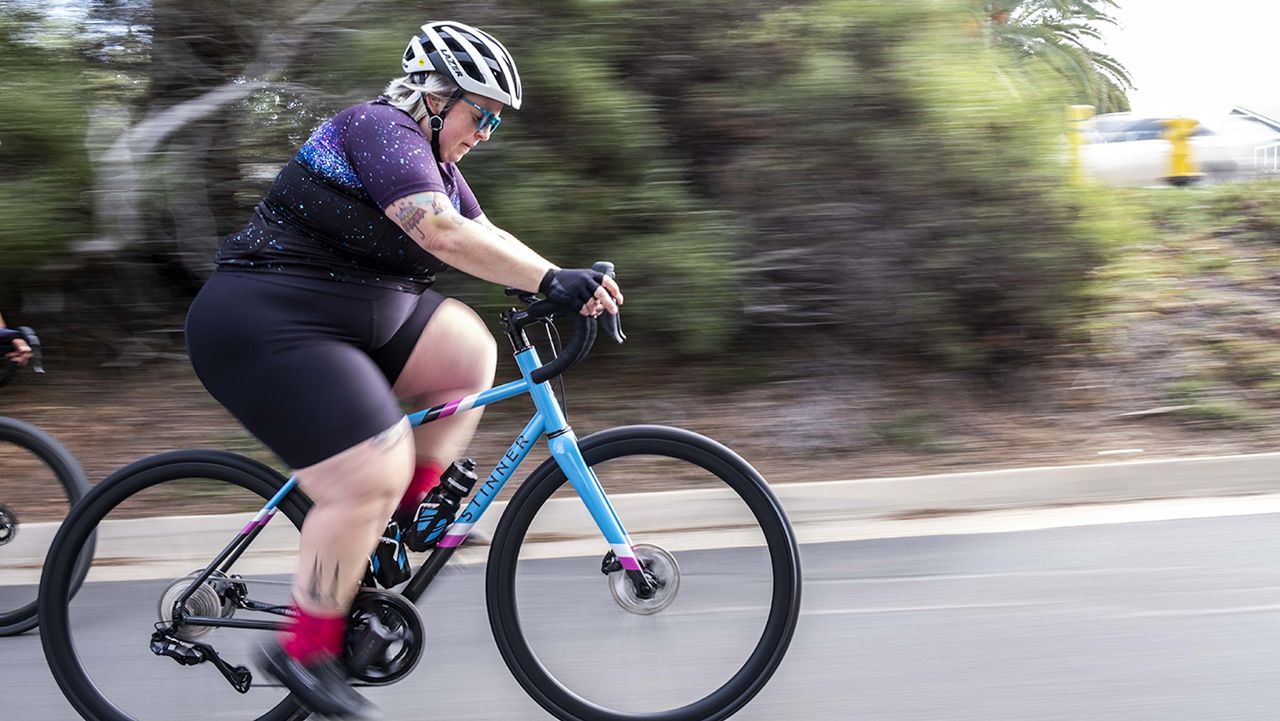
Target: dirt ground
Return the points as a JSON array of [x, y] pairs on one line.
[[792, 431]]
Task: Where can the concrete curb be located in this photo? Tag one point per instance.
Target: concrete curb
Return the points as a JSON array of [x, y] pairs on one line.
[[941, 494], [156, 547]]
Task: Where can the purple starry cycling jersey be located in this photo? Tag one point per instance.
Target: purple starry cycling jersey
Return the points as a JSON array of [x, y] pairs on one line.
[[323, 216]]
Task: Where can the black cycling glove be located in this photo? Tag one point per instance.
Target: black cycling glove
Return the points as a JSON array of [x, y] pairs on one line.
[[570, 287]]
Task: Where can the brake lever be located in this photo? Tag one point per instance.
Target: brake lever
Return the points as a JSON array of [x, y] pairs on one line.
[[611, 322], [612, 325], [33, 340]]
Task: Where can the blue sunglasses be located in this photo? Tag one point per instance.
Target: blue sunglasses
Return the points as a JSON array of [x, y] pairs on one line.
[[487, 118]]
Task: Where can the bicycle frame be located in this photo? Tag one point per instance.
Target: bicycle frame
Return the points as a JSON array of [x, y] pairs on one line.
[[562, 442]]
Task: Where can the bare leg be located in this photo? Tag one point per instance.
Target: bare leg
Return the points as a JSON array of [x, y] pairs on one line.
[[354, 492], [454, 357]]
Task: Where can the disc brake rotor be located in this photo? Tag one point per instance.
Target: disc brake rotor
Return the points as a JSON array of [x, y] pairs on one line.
[[662, 568], [8, 524]]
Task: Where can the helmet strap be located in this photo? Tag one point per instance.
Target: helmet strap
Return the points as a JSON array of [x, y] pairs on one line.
[[435, 121]]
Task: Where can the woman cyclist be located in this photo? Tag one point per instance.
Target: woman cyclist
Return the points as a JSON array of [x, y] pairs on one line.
[[320, 318]]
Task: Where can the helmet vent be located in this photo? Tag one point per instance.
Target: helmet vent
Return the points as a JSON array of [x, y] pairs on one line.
[[460, 50]]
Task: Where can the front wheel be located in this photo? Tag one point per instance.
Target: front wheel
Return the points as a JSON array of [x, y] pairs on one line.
[[694, 640]]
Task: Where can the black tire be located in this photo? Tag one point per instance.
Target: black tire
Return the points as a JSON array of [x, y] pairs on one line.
[[70, 476], [56, 581], [673, 443]]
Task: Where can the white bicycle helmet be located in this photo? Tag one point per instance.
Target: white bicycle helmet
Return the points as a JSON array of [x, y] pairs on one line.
[[473, 58]]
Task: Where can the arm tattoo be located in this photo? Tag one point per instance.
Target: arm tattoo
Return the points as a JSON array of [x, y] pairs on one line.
[[409, 216]]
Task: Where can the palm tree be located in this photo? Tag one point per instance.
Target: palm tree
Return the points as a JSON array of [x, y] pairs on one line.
[[1058, 33]]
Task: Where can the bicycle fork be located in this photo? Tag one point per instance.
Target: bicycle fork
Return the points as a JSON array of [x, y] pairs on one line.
[[564, 448]]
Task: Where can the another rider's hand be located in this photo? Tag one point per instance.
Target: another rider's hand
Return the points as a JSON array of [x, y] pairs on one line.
[[590, 291], [21, 353]]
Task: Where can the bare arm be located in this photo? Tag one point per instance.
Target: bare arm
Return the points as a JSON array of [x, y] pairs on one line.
[[484, 220], [474, 248]]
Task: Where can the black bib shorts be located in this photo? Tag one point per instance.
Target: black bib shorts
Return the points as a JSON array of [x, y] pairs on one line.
[[305, 364]]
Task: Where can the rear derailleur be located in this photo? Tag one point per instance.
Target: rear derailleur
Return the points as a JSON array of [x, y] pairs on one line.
[[190, 653]]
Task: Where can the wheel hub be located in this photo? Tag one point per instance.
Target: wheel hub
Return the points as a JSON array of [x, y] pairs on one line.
[[8, 524], [205, 600], [663, 573]]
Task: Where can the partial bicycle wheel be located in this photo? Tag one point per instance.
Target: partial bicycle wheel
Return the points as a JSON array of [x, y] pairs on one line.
[[712, 625], [39, 482], [114, 648]]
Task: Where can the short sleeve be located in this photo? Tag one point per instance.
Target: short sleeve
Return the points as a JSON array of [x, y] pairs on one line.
[[390, 155], [467, 203]]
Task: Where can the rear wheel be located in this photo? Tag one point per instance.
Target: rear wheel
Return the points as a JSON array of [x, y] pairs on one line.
[[114, 649], [694, 637]]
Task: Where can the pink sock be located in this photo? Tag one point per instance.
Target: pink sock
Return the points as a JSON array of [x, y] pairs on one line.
[[425, 477], [311, 636]]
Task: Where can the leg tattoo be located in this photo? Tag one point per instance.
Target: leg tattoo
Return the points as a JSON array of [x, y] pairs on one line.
[[319, 594]]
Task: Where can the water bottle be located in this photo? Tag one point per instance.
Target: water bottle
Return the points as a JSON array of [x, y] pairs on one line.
[[388, 565], [441, 505]]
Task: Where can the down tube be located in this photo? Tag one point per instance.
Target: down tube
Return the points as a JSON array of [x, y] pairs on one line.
[[484, 495]]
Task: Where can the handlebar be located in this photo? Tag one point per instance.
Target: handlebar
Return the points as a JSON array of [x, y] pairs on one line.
[[584, 333]]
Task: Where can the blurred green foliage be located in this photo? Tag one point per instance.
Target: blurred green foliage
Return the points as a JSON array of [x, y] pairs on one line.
[[1186, 303], [1060, 35], [46, 171], [831, 177]]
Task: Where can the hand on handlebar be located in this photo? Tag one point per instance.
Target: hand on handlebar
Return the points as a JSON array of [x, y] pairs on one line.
[[590, 291], [606, 299], [21, 353]]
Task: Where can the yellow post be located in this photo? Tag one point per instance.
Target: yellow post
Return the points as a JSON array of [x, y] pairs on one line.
[[1077, 116], [1182, 168]]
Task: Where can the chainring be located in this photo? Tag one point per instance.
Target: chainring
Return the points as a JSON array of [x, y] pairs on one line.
[[385, 638]]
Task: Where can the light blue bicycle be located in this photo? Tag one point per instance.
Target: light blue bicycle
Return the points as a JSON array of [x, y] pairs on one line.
[[605, 605]]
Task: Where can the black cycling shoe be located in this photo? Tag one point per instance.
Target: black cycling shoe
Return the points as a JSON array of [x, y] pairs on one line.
[[321, 687]]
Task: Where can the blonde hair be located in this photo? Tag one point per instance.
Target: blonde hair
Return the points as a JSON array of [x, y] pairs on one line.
[[409, 92]]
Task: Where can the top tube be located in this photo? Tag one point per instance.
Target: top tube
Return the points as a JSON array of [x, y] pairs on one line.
[[475, 400]]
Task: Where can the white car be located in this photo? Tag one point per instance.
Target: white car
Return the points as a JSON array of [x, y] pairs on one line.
[[1127, 149]]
